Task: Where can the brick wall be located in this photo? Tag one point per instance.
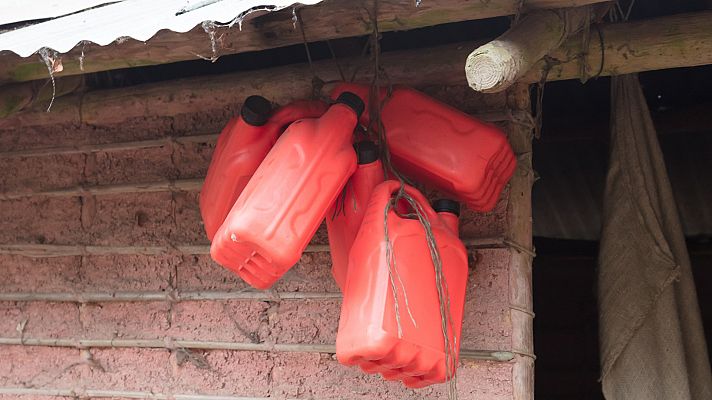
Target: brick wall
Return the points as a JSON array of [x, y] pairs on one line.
[[150, 249]]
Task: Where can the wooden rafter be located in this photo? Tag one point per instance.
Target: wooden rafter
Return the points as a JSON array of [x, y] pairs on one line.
[[496, 65], [667, 42], [331, 19], [683, 40], [209, 138]]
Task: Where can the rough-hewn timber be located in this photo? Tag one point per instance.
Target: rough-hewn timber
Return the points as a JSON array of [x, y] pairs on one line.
[[329, 20], [16, 97], [498, 64], [667, 42], [683, 40], [519, 221]]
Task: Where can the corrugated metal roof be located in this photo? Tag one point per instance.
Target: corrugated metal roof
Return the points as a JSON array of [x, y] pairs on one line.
[[567, 198], [103, 22], [18, 11]]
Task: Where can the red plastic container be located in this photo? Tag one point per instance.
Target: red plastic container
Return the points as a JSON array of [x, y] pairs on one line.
[[241, 147], [368, 331], [443, 147], [289, 195], [344, 217]]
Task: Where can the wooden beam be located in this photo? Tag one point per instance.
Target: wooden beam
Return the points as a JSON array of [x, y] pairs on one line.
[[683, 40], [668, 42], [519, 232], [176, 185], [21, 96], [331, 19], [281, 85], [210, 138], [496, 65]]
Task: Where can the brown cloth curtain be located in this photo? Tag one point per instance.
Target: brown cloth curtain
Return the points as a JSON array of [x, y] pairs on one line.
[[651, 336]]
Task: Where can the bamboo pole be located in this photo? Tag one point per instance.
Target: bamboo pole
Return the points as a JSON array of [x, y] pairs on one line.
[[666, 42], [171, 296], [176, 185], [108, 147], [328, 20], [57, 250], [170, 344], [496, 65], [112, 394]]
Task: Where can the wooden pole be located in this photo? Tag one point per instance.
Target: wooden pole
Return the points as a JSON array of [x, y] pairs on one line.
[[170, 344], [173, 296], [328, 20], [20, 96], [177, 185], [82, 393], [59, 250], [106, 147], [683, 40], [519, 231], [496, 65], [667, 42]]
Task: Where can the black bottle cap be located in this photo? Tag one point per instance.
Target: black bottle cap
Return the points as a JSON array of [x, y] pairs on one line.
[[367, 151], [447, 205], [255, 110], [353, 101]]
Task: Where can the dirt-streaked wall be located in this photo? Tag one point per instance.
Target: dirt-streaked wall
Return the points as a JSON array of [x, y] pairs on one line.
[[172, 219]]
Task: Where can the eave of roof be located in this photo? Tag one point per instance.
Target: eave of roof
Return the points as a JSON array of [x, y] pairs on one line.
[[106, 22]]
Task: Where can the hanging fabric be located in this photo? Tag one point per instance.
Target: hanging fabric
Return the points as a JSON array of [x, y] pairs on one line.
[[651, 336]]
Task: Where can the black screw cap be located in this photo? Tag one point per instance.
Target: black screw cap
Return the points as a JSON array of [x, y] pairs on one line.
[[353, 101], [447, 205], [256, 110], [367, 151]]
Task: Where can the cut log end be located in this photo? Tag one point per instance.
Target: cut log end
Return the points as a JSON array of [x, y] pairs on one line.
[[500, 63], [491, 70]]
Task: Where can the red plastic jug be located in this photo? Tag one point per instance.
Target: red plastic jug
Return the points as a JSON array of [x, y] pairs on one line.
[[368, 331], [443, 147], [241, 147], [344, 217], [280, 209]]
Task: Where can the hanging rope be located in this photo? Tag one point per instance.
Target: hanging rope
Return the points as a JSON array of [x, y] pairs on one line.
[[376, 105], [617, 13], [317, 83]]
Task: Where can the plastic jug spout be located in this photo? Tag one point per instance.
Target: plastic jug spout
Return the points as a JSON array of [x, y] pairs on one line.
[[449, 212], [353, 102], [366, 152], [256, 110]]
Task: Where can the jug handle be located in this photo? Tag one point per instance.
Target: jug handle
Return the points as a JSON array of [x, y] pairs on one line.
[[297, 110], [393, 186]]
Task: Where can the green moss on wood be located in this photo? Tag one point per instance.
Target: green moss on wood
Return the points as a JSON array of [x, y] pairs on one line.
[[431, 17], [28, 72], [10, 104], [37, 70]]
